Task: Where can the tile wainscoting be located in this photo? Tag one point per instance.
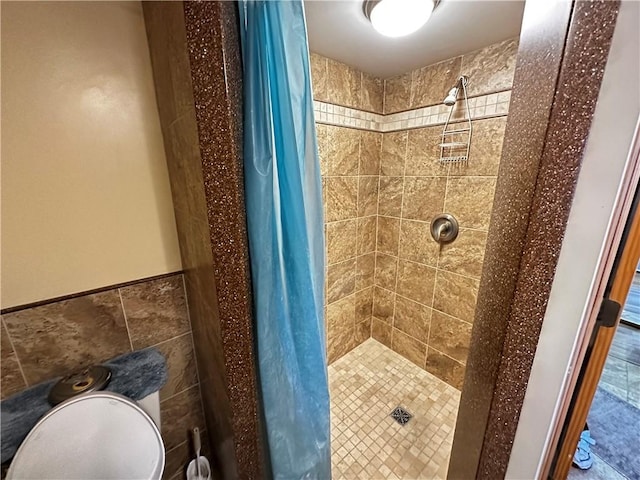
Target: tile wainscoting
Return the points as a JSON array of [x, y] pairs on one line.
[[56, 338]]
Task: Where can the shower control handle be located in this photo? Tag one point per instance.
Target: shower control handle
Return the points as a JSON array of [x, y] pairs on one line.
[[444, 228]]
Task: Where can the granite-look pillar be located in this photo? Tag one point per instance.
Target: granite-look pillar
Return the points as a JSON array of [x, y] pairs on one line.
[[552, 104], [195, 53]]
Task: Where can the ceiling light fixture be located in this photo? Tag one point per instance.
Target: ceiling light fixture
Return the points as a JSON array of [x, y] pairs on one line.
[[397, 18]]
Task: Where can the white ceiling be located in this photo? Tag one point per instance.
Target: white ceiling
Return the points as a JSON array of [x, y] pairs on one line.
[[339, 30]]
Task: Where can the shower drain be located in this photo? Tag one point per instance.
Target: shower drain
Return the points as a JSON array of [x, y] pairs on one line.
[[401, 416]]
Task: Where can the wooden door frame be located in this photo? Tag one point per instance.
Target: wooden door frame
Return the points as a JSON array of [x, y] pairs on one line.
[[616, 273]]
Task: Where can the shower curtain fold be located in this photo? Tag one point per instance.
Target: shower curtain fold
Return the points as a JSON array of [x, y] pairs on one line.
[[286, 242]]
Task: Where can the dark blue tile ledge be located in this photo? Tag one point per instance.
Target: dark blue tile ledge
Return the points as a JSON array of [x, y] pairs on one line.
[[134, 375]]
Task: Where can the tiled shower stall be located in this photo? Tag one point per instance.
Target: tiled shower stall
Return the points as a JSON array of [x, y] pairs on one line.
[[392, 291], [382, 183]]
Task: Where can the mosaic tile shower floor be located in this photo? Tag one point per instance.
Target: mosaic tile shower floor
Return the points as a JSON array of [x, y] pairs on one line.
[[367, 443]]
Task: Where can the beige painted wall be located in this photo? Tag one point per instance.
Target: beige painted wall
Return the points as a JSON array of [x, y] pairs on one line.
[[86, 200]]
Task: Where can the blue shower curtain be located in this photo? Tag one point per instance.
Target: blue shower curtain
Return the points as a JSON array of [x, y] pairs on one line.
[[286, 242]]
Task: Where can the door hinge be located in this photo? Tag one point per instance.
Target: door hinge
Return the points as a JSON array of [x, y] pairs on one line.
[[608, 314]]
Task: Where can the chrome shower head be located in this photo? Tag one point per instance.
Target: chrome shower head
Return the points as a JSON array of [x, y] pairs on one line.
[[451, 98]]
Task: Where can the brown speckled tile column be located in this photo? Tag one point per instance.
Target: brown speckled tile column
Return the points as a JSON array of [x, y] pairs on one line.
[[549, 119], [196, 61]]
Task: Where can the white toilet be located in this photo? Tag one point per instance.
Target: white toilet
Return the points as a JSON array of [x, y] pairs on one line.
[[99, 435]]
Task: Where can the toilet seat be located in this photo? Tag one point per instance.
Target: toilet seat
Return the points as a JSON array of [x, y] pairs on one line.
[[98, 435]]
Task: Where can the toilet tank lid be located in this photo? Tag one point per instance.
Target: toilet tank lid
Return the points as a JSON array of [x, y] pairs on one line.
[[100, 435]]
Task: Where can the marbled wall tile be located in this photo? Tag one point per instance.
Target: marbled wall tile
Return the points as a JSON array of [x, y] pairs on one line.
[[61, 337], [342, 150], [386, 269], [470, 200], [465, 255], [341, 241], [486, 148], [322, 139], [423, 197], [392, 156], [367, 196], [342, 195], [412, 318], [416, 243], [409, 347], [370, 150], [388, 235], [180, 363], [365, 270], [491, 68], [450, 336], [416, 281], [372, 93], [366, 239], [155, 310], [11, 379], [343, 84], [383, 304], [319, 77], [432, 83], [176, 460], [423, 153], [180, 414], [341, 344], [341, 280], [390, 196], [363, 330], [364, 304], [397, 93], [341, 316], [456, 295], [381, 331], [445, 368]]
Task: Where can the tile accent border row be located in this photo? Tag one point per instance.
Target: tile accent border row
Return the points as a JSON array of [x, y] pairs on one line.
[[484, 106]]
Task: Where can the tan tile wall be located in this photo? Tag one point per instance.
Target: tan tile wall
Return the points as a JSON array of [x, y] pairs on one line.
[[54, 339], [424, 295], [343, 85], [349, 164], [489, 69]]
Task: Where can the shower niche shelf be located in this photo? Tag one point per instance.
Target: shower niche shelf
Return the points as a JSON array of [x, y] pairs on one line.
[[456, 141]]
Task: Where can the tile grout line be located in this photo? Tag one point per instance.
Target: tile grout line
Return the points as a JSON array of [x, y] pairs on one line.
[[395, 287], [435, 280], [4, 326], [360, 140], [126, 322], [375, 248], [171, 397], [180, 335], [193, 347]]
